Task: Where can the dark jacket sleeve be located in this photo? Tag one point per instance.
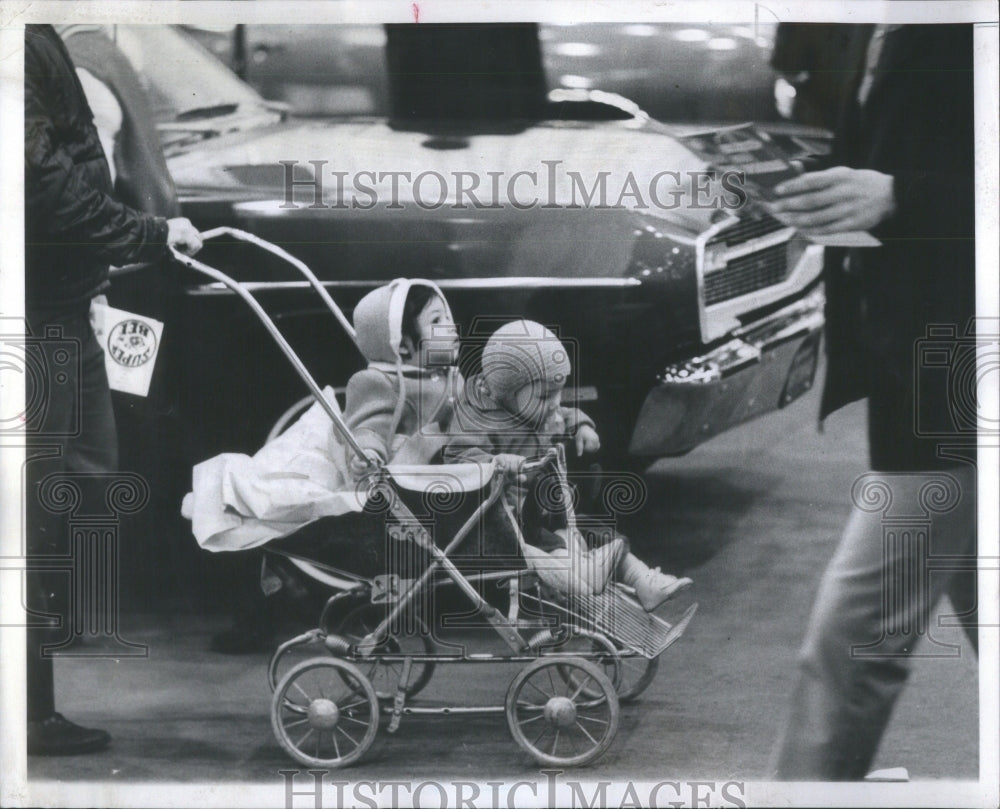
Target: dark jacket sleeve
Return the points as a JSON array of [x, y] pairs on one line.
[[934, 185], [68, 207], [932, 204], [794, 47]]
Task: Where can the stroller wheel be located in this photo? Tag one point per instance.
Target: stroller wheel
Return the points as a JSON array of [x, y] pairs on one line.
[[637, 673], [631, 673], [325, 713], [412, 638], [592, 646], [550, 715], [291, 653]]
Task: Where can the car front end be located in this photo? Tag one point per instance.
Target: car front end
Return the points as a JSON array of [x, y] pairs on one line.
[[688, 308]]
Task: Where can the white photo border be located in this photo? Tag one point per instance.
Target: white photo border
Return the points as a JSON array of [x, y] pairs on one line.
[[16, 790]]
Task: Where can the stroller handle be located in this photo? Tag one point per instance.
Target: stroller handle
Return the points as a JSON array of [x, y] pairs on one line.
[[338, 422], [274, 250]]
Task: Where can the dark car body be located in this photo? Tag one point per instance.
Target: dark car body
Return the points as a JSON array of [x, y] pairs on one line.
[[674, 71], [685, 317]]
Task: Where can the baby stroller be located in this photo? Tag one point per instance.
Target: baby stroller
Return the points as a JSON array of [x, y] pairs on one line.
[[372, 651]]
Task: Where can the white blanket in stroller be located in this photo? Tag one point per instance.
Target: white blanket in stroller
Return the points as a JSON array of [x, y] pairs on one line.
[[239, 502]]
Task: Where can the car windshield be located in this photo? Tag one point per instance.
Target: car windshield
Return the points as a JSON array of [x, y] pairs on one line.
[[185, 82]]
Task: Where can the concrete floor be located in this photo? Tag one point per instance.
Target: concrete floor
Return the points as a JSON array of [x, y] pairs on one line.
[[752, 517]]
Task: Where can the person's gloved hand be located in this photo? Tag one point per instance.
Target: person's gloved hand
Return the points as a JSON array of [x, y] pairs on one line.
[[183, 236], [359, 467], [586, 439]]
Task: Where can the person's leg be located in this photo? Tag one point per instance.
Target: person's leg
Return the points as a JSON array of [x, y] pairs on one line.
[[71, 429], [50, 420], [89, 463], [872, 609], [962, 592], [94, 449], [962, 588], [40, 674], [847, 611]]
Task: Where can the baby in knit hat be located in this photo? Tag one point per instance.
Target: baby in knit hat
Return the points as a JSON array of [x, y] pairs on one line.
[[512, 411], [400, 406]]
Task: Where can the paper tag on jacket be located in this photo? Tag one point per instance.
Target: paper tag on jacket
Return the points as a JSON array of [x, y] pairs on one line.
[[130, 344]]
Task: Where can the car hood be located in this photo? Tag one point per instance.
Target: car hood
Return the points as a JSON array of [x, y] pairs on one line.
[[622, 165]]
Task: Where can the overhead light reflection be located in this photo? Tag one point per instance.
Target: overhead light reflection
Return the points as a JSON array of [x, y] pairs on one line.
[[576, 49], [692, 35], [722, 44], [640, 30]]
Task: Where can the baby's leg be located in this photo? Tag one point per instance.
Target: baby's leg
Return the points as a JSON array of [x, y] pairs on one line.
[[652, 587]]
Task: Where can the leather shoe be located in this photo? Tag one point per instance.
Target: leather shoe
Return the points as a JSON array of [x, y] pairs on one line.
[[57, 736]]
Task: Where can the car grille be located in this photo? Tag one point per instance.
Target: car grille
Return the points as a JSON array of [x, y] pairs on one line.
[[749, 227], [747, 274]]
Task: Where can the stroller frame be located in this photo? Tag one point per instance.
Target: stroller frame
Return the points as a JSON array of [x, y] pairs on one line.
[[325, 710]]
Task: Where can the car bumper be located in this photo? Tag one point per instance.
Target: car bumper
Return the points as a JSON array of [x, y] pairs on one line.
[[765, 365]]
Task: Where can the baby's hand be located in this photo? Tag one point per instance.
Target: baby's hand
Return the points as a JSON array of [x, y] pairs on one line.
[[511, 465], [586, 439], [359, 467]]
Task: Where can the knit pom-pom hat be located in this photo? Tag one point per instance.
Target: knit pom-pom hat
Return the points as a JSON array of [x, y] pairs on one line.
[[521, 353]]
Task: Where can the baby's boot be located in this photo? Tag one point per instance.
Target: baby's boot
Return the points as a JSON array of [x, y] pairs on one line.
[[651, 586]]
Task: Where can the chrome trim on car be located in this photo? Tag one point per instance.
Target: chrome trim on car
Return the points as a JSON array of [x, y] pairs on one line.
[[521, 282], [764, 366], [700, 243], [750, 343], [760, 243], [721, 318]]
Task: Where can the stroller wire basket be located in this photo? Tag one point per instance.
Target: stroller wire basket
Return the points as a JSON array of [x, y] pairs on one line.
[[615, 614]]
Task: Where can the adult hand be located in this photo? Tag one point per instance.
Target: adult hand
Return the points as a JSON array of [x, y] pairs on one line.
[[586, 439], [183, 236], [837, 200]]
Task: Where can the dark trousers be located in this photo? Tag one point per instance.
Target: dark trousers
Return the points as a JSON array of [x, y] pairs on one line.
[[71, 430]]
